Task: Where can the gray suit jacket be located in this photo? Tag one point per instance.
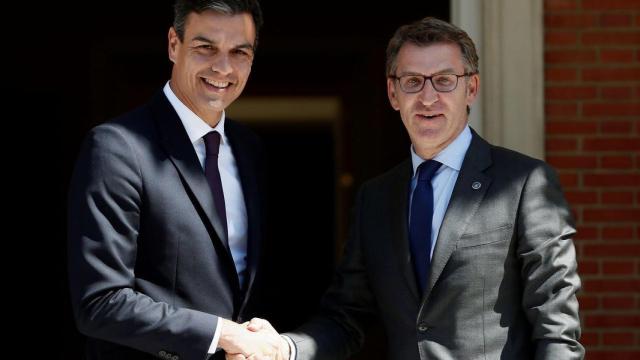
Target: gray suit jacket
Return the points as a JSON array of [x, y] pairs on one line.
[[503, 276], [148, 271]]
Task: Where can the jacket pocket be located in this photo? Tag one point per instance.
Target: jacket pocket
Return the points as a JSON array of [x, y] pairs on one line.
[[491, 236]]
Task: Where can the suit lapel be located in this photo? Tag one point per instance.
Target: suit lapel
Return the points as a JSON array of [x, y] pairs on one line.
[[464, 203], [176, 142], [399, 199]]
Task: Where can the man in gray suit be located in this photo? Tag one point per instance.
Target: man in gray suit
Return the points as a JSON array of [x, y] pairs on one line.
[[465, 249]]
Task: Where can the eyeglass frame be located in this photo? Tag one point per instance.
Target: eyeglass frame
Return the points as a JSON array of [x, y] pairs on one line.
[[429, 78]]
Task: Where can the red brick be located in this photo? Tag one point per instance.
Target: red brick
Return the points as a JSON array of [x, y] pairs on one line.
[[613, 215], [589, 338], [567, 144], [568, 179], [556, 74], [616, 162], [570, 93], [616, 93], [561, 109], [617, 197], [610, 4], [612, 320], [580, 197], [569, 56], [620, 127], [618, 250], [560, 5], [612, 109], [618, 338], [588, 267], [637, 19], [611, 74], [615, 20], [573, 162], [620, 180], [571, 127], [611, 37], [612, 285], [587, 232], [616, 56], [569, 20], [588, 302], [612, 354], [560, 37], [618, 302], [617, 233], [611, 144], [618, 268]]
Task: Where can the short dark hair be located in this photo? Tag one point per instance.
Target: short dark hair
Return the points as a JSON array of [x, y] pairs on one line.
[[182, 9], [432, 31]]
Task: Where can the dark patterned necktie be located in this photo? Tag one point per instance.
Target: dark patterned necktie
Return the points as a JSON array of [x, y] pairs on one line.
[[211, 171]]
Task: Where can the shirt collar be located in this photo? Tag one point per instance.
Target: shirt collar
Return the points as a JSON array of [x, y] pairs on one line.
[[196, 127], [451, 156]]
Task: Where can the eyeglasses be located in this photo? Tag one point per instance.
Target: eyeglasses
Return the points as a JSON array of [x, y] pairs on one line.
[[414, 83]]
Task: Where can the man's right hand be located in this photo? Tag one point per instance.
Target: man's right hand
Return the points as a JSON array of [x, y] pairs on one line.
[[256, 340]]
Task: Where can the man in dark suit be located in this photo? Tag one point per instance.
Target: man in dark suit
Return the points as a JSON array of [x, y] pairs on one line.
[[465, 249], [165, 218]]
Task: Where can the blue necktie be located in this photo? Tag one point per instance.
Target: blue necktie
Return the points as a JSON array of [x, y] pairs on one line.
[[211, 171], [420, 222]]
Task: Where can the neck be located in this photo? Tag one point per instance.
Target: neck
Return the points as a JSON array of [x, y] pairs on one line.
[[212, 119], [428, 153]]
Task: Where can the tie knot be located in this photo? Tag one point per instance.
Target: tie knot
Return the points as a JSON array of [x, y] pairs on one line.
[[212, 143], [427, 169]]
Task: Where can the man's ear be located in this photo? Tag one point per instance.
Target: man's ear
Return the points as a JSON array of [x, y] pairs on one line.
[[472, 88], [391, 93], [174, 44]]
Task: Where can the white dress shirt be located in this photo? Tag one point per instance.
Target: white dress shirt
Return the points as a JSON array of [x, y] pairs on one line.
[[236, 211], [444, 179]]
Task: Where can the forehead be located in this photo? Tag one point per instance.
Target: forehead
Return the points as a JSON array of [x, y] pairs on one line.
[[237, 29], [429, 59]]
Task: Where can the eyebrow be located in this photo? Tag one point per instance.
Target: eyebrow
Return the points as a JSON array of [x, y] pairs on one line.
[[209, 41], [443, 71]]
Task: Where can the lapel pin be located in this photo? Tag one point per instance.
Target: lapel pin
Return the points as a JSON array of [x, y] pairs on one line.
[[476, 185]]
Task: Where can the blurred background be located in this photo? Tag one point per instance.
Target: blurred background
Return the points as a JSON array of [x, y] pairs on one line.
[[569, 93]]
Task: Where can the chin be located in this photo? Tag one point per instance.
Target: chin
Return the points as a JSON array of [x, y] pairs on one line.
[[217, 105], [428, 133]]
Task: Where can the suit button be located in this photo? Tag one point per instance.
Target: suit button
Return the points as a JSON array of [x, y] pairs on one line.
[[422, 327]]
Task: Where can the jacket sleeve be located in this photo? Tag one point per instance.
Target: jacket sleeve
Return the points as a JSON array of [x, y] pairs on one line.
[[545, 247], [105, 200]]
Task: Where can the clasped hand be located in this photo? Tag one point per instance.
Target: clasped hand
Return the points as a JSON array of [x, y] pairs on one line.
[[253, 340]]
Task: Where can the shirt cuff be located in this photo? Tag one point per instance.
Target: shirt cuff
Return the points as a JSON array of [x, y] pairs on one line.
[[216, 337], [292, 347]]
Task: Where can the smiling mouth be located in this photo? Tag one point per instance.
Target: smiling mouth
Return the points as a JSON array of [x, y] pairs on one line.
[[217, 84], [429, 117]]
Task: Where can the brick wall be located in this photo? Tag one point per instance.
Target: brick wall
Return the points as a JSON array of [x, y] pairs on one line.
[[592, 96]]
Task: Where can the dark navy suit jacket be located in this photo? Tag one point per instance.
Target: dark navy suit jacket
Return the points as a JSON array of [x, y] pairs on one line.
[[149, 274]]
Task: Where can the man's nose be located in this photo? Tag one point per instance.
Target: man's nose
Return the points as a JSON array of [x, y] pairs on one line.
[[221, 64], [428, 95]]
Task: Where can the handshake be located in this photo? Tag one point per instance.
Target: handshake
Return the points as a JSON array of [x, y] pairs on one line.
[[253, 340]]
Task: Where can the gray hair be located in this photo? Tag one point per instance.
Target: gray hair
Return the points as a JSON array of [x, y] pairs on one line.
[[431, 31]]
